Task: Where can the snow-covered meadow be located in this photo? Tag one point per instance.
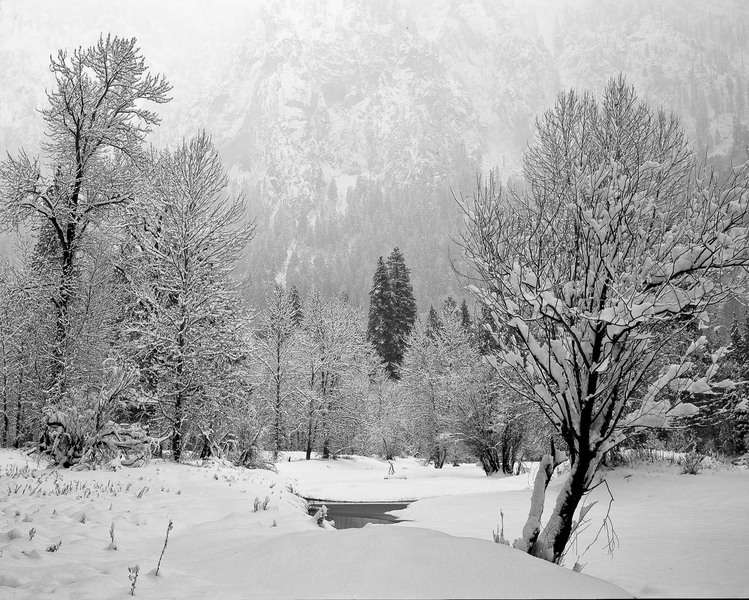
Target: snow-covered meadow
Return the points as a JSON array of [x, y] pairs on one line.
[[221, 548], [678, 535]]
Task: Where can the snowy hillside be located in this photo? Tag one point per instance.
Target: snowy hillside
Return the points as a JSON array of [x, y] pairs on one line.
[[347, 124]]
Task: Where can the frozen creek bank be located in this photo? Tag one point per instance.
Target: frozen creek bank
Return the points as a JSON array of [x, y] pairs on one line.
[[221, 548]]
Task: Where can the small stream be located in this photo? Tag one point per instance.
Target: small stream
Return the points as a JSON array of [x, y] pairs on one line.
[[348, 515]]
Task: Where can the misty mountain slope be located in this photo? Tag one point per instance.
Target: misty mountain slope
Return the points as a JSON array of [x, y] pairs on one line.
[[348, 125]]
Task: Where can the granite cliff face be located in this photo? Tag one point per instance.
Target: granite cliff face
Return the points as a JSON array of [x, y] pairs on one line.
[[348, 125]]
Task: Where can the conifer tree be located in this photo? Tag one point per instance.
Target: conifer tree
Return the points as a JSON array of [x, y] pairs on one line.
[[296, 306], [379, 329], [449, 306], [434, 324], [465, 316], [404, 305]]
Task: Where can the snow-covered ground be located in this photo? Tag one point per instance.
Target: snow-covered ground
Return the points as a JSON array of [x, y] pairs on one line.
[[221, 548], [679, 535], [361, 478]]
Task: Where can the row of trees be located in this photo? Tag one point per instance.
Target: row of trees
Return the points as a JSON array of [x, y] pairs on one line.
[[124, 309]]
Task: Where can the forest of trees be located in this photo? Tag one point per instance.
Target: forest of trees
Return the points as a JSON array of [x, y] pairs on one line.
[[124, 331]]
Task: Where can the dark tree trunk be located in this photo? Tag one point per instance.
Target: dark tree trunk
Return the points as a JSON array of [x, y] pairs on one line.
[[6, 417], [18, 408], [557, 532], [490, 461], [438, 457], [177, 430], [58, 368], [387, 450], [308, 454], [206, 451], [279, 407], [179, 400]]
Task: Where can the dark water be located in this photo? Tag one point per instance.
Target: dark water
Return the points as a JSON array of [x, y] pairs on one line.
[[357, 514]]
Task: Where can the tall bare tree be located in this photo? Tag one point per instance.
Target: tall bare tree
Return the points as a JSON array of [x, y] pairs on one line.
[[275, 354], [617, 242], [336, 356], [95, 124], [187, 236]]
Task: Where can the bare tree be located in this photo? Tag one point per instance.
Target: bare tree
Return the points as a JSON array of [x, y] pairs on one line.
[[95, 124], [335, 349], [275, 353], [616, 244], [187, 236]]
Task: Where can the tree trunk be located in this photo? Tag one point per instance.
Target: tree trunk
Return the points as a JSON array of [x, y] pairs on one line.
[[177, 428], [529, 540], [58, 369], [18, 408], [278, 424], [179, 400], [439, 456], [308, 454], [6, 418], [206, 451], [490, 461], [387, 450], [557, 532]]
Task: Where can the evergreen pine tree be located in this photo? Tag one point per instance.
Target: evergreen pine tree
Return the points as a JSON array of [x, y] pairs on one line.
[[379, 325], [434, 323], [404, 306], [484, 328], [465, 316], [392, 310], [449, 306], [296, 306]]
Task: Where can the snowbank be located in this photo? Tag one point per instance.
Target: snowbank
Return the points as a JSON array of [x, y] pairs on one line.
[[385, 561]]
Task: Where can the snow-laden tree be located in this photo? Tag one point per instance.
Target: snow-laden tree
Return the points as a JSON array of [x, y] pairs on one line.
[[276, 355], [453, 401], [385, 413], [617, 242], [722, 423], [335, 355], [186, 235], [437, 367], [96, 121], [13, 332]]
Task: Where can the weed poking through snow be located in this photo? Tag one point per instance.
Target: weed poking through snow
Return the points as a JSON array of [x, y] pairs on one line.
[[257, 504], [132, 575], [166, 541], [498, 535], [112, 540]]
